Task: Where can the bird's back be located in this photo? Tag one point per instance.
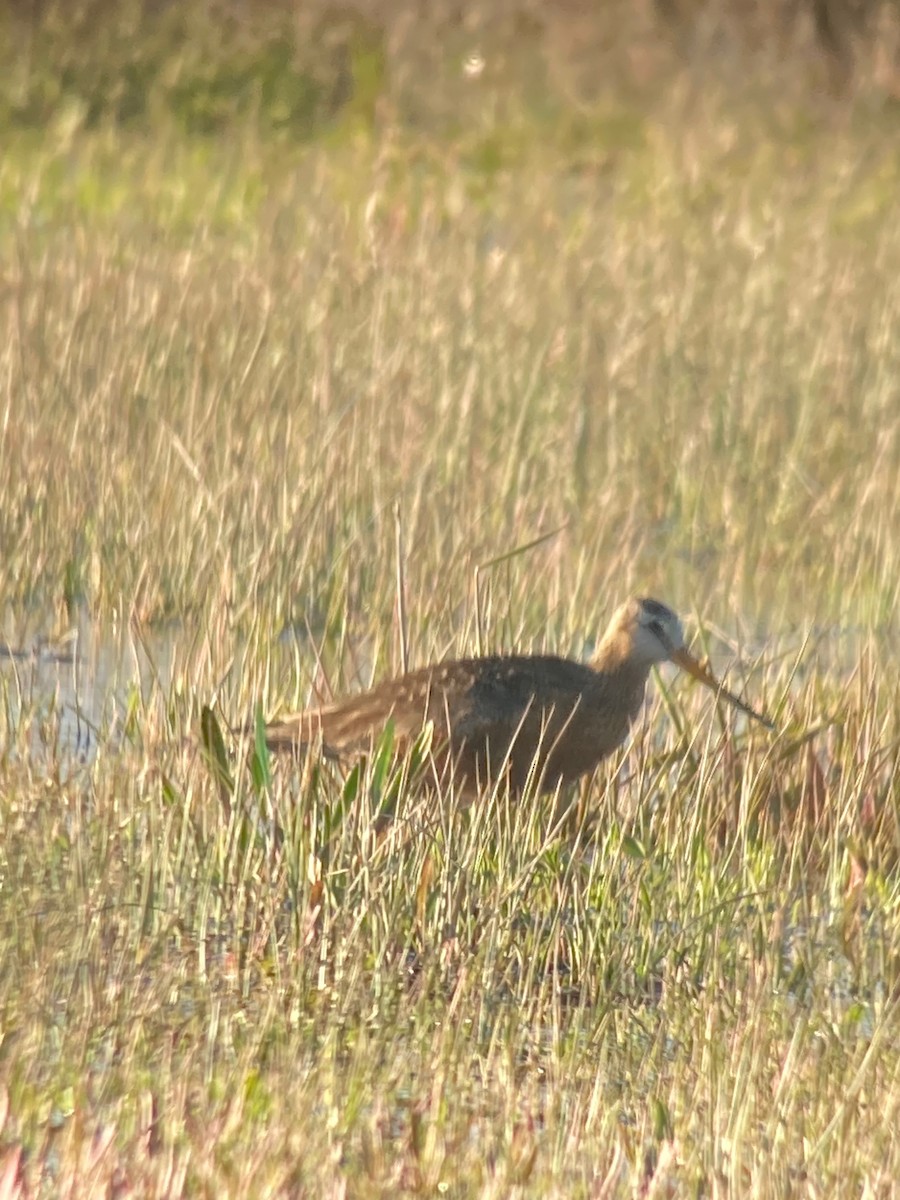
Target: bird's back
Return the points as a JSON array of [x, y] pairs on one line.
[[553, 715]]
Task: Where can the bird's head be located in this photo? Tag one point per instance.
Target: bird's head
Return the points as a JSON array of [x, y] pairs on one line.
[[654, 634]]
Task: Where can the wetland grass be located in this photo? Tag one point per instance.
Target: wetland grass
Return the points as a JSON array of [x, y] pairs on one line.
[[231, 361]]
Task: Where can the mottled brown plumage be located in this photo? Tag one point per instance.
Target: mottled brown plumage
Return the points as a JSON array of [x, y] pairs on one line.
[[523, 715]]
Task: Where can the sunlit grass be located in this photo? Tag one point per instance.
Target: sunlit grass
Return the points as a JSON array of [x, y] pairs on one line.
[[657, 363], [694, 976], [239, 373]]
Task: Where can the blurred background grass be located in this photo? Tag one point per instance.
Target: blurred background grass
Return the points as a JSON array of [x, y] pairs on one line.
[[272, 269]]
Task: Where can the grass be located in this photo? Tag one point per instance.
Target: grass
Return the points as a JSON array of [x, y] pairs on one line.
[[242, 369]]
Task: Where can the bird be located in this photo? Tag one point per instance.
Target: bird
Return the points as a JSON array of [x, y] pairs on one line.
[[538, 718]]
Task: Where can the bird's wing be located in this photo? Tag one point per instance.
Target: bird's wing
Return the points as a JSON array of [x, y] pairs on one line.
[[348, 726], [480, 706]]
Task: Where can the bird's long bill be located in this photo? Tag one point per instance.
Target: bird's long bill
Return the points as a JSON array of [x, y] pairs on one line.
[[690, 664]]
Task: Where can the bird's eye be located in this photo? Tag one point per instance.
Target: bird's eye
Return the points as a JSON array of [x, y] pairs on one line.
[[657, 629]]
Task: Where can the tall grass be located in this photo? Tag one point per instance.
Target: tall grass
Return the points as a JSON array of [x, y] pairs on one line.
[[239, 374]]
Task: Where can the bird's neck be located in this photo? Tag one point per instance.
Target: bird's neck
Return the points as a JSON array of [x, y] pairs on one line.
[[620, 680], [614, 657]]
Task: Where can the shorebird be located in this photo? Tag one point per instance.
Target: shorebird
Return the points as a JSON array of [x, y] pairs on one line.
[[520, 716]]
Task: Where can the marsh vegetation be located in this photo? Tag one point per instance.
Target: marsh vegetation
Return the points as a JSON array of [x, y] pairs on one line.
[[304, 317]]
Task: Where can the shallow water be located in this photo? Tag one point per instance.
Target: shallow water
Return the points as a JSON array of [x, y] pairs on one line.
[[74, 686]]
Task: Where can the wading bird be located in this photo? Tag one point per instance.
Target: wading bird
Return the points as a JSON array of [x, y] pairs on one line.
[[523, 716]]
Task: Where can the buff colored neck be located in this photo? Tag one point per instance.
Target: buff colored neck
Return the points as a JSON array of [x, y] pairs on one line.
[[614, 654]]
